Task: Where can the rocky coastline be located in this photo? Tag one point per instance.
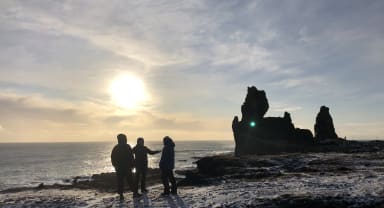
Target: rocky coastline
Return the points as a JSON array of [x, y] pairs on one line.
[[212, 169], [216, 168], [352, 176]]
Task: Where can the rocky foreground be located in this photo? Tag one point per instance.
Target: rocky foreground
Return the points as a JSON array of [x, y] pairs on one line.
[[350, 178]]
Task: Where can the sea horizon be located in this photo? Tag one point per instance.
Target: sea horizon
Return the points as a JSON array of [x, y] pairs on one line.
[[108, 141], [160, 140]]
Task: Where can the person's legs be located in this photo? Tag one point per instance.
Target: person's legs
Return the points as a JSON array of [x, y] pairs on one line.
[[164, 179], [143, 179], [131, 183], [173, 182], [120, 183], [137, 179]]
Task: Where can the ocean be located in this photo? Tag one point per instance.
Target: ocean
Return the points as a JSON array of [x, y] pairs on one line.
[[29, 164]]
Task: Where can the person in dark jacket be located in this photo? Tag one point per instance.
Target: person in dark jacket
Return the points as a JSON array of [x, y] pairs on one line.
[[141, 163], [167, 164], [122, 160]]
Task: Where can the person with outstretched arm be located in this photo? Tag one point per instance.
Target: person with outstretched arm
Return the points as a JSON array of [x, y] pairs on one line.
[[122, 160], [167, 164], [141, 163]]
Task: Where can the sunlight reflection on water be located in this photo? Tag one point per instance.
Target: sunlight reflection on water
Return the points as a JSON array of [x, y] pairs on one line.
[[34, 163]]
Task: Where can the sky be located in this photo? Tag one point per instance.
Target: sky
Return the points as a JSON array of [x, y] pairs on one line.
[[193, 61]]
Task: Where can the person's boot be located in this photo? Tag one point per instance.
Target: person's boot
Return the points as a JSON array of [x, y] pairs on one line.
[[136, 195], [165, 193], [121, 197], [144, 190], [174, 190]]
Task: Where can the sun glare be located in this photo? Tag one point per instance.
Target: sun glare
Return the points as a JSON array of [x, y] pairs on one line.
[[128, 91]]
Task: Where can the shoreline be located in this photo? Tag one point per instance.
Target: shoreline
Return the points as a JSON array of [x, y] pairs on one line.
[[103, 182], [314, 179]]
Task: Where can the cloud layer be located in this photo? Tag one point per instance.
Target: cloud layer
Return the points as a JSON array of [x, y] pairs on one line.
[[196, 58]]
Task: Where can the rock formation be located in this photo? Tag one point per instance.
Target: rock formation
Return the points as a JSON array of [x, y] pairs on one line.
[[256, 134], [255, 105], [324, 128]]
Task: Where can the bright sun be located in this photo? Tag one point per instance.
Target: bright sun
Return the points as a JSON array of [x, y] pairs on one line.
[[128, 91]]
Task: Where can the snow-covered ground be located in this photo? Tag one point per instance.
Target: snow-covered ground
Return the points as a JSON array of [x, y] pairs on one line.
[[306, 180], [356, 192], [92, 198]]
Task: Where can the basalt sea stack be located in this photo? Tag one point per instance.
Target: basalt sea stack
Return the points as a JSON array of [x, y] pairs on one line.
[[256, 134], [324, 128]]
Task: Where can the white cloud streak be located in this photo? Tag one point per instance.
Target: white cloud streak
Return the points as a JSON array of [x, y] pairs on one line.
[[120, 44]]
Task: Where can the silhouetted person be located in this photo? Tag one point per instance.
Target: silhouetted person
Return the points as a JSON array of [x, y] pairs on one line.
[[141, 163], [122, 160], [167, 164]]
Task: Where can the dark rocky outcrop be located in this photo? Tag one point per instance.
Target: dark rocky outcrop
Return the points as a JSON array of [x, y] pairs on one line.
[[356, 156], [256, 134], [107, 181], [324, 128]]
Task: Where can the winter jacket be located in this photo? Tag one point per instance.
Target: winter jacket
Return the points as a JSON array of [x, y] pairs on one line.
[[167, 160], [141, 155], [122, 157]]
